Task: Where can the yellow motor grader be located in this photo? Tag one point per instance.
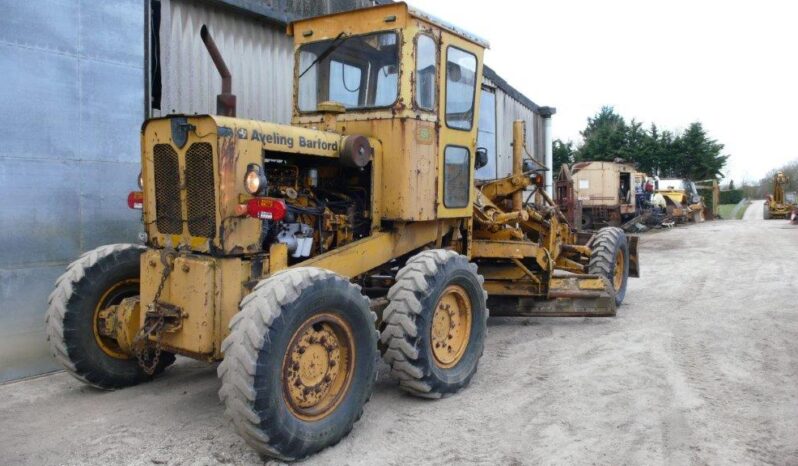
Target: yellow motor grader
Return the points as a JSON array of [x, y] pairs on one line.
[[296, 254], [776, 205]]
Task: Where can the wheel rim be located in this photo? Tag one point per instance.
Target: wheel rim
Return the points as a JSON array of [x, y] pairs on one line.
[[451, 326], [617, 279], [113, 296], [318, 366]]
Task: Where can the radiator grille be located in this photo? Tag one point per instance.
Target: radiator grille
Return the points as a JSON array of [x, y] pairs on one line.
[[167, 190], [200, 193]]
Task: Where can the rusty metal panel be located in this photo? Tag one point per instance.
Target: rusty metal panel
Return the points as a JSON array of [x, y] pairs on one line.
[[259, 55]]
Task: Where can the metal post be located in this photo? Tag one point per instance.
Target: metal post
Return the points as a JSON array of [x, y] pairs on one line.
[[548, 148], [518, 161], [549, 152]]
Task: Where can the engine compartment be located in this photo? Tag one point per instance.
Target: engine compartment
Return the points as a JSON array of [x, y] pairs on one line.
[[327, 205]]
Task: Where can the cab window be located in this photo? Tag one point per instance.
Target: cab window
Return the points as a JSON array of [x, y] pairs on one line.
[[456, 176], [356, 71], [344, 83], [461, 79], [425, 72]]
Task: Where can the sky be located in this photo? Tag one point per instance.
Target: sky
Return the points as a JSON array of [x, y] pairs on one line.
[[733, 65]]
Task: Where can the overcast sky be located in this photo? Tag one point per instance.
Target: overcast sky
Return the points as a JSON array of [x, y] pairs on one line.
[[732, 65]]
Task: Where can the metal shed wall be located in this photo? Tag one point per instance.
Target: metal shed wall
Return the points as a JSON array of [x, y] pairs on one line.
[[258, 53], [507, 111], [71, 105], [254, 46]]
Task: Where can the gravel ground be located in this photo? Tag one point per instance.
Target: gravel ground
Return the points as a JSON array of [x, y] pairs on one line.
[[700, 366]]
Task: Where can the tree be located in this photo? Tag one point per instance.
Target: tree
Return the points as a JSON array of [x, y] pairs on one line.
[[605, 137], [697, 156], [562, 153], [731, 185], [691, 154]]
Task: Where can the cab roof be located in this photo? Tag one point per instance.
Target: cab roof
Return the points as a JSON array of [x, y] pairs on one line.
[[407, 12]]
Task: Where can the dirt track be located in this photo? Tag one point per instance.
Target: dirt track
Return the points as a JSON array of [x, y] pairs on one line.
[[700, 366]]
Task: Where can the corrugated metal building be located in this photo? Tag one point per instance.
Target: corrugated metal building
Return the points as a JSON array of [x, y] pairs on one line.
[[78, 79], [74, 89], [499, 98], [251, 37]]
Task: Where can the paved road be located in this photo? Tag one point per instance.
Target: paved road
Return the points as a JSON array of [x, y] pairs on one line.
[[700, 366], [755, 211]]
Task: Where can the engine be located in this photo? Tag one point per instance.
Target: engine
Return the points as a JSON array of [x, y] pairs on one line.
[[326, 207]]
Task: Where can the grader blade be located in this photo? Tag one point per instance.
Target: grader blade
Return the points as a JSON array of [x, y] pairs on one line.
[[569, 296]]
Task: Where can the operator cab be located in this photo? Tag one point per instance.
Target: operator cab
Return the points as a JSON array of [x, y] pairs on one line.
[[407, 79]]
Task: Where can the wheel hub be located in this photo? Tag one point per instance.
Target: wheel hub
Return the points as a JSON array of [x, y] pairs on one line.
[[110, 298], [451, 326], [318, 366]]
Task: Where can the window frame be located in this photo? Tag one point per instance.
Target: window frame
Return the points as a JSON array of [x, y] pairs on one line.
[[436, 61], [399, 38], [468, 182], [495, 149], [473, 92]]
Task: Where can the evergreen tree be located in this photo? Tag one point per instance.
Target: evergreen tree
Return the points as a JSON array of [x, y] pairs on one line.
[[691, 154], [562, 153], [605, 137], [698, 157]]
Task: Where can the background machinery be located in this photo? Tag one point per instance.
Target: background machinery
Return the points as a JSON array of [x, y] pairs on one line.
[[295, 254], [776, 205], [683, 202], [604, 190]]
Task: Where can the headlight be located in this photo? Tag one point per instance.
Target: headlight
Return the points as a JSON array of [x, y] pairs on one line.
[[254, 180], [141, 181]]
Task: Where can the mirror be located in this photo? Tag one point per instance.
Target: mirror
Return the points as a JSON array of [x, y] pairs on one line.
[[481, 158]]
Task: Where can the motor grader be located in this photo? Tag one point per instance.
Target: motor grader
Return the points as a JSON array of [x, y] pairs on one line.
[[776, 205], [296, 254]]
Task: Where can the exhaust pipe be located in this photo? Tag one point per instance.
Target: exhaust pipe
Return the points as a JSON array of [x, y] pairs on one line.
[[226, 101]]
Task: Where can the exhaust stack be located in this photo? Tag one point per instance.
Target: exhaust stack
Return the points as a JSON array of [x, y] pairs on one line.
[[226, 101]]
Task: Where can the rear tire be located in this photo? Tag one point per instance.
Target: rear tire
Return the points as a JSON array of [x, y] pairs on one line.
[[300, 362], [434, 291], [610, 258], [766, 212], [99, 278], [587, 221]]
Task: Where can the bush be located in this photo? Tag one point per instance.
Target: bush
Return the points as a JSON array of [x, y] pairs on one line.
[[732, 196]]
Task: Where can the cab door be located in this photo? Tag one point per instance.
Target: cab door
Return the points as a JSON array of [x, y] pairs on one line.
[[460, 79]]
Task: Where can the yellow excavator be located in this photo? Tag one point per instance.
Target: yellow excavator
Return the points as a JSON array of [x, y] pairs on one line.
[[776, 205]]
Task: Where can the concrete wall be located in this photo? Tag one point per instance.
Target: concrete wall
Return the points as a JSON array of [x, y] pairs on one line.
[[71, 105]]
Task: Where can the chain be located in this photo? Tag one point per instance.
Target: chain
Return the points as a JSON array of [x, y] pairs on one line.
[[156, 327]]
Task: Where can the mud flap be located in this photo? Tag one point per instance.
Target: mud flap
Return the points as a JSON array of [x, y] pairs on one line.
[[634, 260], [569, 296]]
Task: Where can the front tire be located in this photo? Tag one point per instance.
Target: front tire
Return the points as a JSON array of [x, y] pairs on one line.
[[99, 278], [609, 258], [435, 324], [300, 362]]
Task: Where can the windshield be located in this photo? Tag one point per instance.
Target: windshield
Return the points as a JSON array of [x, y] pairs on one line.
[[358, 72]]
